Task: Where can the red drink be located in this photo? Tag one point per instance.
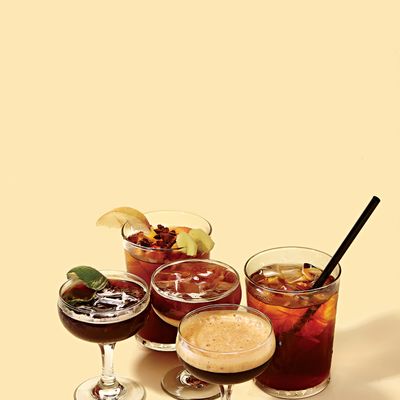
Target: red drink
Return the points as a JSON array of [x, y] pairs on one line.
[[144, 254], [303, 320], [183, 286]]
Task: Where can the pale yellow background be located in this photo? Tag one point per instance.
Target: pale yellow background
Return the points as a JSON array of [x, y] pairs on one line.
[[277, 121]]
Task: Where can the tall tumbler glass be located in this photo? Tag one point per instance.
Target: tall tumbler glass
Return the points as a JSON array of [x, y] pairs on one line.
[[143, 261], [279, 283]]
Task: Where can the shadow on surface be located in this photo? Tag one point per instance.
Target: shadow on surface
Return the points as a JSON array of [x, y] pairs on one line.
[[364, 355], [153, 366]]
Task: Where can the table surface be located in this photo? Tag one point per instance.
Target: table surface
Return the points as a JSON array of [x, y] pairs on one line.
[[365, 361]]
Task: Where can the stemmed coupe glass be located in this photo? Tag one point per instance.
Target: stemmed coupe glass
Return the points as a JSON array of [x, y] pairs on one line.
[[105, 317], [225, 344]]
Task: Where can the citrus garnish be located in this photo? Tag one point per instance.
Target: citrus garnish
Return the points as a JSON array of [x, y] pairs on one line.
[[186, 243], [92, 278], [204, 243], [117, 217]]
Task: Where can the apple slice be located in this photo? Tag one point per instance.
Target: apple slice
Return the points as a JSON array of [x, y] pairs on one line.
[[186, 243], [119, 216], [204, 243]]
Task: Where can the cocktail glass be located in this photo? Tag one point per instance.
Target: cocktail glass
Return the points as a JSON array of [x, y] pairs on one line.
[[278, 283], [180, 287], [225, 344], [143, 261], [114, 314]]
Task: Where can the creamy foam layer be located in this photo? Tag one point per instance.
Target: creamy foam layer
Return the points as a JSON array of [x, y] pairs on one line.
[[225, 341]]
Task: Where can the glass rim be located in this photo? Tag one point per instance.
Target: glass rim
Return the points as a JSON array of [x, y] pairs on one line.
[[194, 260], [294, 292], [160, 249], [225, 306], [117, 313]]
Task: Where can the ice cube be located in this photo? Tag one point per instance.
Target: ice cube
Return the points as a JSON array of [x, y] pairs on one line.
[[118, 300], [291, 273]]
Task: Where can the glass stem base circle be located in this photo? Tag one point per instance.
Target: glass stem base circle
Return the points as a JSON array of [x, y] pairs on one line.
[[155, 345], [294, 394], [181, 385], [126, 389]]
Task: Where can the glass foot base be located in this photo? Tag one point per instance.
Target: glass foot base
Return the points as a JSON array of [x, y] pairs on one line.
[[181, 385], [155, 345], [294, 394], [127, 390]]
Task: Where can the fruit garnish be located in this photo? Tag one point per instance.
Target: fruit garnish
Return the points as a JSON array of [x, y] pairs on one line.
[[179, 229], [91, 277], [204, 243], [117, 217], [187, 244]]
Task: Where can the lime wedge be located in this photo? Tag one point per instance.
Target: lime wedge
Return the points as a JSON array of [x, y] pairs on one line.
[[119, 216], [92, 278], [187, 243], [204, 243]]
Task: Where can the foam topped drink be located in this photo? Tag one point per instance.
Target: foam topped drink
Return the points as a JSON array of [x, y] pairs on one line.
[[225, 346], [153, 239], [303, 318]]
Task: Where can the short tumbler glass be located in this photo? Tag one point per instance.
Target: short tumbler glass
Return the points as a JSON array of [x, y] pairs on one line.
[[143, 261]]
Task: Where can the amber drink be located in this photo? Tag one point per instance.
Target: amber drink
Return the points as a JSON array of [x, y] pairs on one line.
[[144, 253], [279, 283]]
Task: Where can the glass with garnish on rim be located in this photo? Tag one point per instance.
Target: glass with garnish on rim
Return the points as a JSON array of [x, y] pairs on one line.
[[153, 239], [172, 237], [104, 308]]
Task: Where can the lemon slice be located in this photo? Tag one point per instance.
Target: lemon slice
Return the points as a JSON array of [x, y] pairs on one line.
[[119, 216], [92, 278], [204, 243], [187, 243]]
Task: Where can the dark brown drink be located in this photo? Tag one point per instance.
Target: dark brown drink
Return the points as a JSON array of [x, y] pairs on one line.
[[104, 307], [225, 378], [102, 316]]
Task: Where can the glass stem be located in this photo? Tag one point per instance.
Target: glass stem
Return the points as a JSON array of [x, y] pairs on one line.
[[107, 379], [226, 393]]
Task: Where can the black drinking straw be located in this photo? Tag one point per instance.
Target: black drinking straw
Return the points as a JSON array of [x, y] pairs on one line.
[[347, 242], [337, 257]]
